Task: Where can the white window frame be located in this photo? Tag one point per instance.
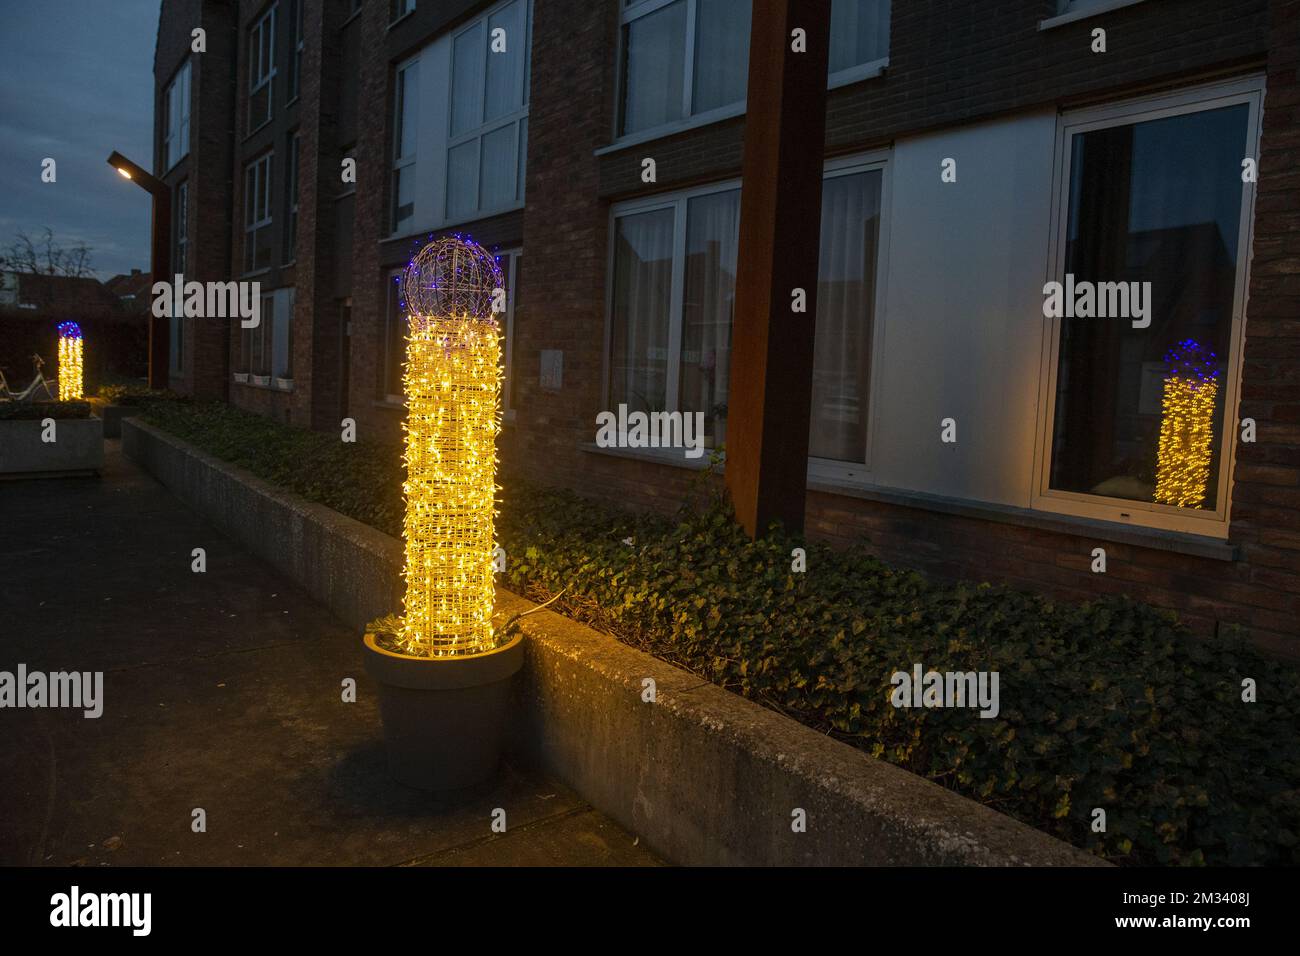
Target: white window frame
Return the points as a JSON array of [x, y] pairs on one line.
[[831, 468], [1215, 523], [517, 119], [295, 64], [689, 120], [399, 10], [180, 135], [265, 162], [678, 202], [1068, 11], [407, 75], [261, 73]]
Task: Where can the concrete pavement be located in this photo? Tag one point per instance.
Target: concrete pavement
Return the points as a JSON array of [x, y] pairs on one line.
[[222, 692]]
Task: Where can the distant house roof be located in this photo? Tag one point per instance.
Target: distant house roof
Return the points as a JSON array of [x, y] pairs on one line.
[[132, 290], [61, 296]]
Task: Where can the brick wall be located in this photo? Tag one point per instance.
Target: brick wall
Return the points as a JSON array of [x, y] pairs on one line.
[[956, 62], [940, 73], [370, 226], [565, 235], [204, 367]]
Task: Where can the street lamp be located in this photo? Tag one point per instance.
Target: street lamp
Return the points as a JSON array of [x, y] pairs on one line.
[[159, 259]]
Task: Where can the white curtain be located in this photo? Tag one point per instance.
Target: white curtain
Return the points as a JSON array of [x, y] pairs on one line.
[[643, 269], [859, 32], [845, 307], [712, 238], [722, 30]]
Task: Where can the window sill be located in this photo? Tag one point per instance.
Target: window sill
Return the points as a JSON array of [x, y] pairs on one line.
[[403, 18], [674, 458], [1092, 10], [856, 74], [1177, 542], [255, 273], [258, 128], [389, 404]]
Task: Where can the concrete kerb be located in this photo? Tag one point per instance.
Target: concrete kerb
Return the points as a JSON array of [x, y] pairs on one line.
[[703, 775]]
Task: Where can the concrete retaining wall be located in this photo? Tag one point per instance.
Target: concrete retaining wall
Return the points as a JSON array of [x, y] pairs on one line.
[[704, 776], [77, 449]]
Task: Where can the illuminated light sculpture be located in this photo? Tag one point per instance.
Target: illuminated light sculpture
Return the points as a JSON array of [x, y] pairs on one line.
[[453, 391], [1186, 426], [443, 668], [70, 362]]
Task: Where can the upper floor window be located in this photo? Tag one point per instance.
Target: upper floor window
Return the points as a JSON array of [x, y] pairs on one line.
[[683, 59], [489, 115], [295, 61], [257, 214], [398, 9], [176, 117], [261, 69], [406, 98], [460, 123]]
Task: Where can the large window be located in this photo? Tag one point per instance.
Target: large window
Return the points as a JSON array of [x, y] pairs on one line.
[[405, 103], [176, 117], [266, 350], [673, 299], [489, 115], [257, 214], [683, 59], [460, 123], [261, 69], [1154, 235]]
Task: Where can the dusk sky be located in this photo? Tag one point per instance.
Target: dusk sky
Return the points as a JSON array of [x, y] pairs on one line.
[[76, 82]]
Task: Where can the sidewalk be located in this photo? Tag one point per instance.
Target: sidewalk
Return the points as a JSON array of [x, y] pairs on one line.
[[222, 691]]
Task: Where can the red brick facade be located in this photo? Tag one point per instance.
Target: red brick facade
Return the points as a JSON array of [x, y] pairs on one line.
[[946, 68]]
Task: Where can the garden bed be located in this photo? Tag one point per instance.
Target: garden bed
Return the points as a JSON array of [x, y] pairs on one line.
[[1109, 705]]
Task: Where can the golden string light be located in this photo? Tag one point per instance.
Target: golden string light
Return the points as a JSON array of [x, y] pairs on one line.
[[452, 381], [70, 362], [1186, 426]]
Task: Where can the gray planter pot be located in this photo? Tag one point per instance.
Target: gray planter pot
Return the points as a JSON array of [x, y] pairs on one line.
[[78, 448], [444, 718]]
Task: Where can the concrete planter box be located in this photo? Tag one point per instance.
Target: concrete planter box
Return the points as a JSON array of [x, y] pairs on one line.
[[704, 776], [78, 448], [112, 415]]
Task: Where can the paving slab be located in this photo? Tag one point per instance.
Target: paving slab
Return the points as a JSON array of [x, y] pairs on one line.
[[222, 692]]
